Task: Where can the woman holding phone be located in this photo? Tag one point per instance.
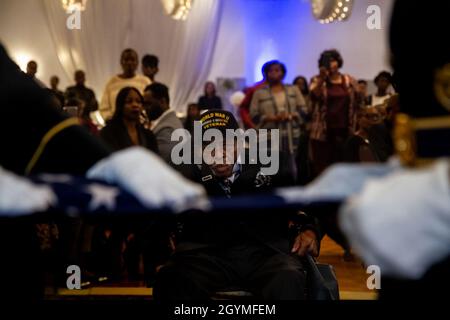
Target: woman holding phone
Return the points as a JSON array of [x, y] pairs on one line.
[[334, 107]]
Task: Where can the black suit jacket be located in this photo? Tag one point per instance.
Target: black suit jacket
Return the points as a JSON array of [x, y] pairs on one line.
[[233, 228], [116, 136]]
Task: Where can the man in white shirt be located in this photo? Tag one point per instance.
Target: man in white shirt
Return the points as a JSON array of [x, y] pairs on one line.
[[383, 81], [128, 78]]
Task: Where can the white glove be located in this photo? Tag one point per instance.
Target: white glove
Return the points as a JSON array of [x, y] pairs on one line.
[[147, 177], [337, 183], [402, 222], [20, 197]]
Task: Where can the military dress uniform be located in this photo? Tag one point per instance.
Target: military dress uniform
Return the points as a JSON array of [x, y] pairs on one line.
[[35, 137], [401, 223]]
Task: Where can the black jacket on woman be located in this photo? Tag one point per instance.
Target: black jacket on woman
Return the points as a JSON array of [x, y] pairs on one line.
[[116, 136]]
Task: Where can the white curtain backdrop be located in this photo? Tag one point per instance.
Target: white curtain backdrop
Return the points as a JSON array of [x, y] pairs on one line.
[[185, 48]]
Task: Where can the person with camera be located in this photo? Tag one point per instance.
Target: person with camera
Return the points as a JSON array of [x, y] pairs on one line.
[[335, 104]]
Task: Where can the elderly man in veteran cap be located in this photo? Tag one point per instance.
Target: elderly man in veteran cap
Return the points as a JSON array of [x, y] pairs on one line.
[[249, 250]]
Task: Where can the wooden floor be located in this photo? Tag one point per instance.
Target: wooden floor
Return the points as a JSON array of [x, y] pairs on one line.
[[351, 277]]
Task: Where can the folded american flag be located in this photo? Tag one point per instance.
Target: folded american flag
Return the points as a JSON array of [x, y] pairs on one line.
[[74, 195]]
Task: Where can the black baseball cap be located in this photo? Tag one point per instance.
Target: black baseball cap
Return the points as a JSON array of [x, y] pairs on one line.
[[218, 119]]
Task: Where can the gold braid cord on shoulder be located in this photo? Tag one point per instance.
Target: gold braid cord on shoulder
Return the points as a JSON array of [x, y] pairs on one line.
[[46, 139], [404, 135]]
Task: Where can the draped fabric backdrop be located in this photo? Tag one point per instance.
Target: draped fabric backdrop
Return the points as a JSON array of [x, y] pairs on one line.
[[185, 48], [243, 33]]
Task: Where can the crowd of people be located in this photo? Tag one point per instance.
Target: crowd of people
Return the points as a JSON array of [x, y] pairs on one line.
[[331, 118]]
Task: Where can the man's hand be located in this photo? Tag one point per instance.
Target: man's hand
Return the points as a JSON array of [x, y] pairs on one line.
[[276, 118], [273, 118], [306, 242], [283, 116]]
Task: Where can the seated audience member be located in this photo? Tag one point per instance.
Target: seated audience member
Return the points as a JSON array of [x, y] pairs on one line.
[[54, 81], [358, 147], [128, 78], [193, 114], [124, 129], [150, 66], [383, 81], [401, 223], [81, 92], [32, 68], [209, 100], [249, 250], [163, 119]]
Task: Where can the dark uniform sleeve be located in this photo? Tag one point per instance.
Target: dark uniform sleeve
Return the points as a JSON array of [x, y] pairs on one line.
[[26, 115]]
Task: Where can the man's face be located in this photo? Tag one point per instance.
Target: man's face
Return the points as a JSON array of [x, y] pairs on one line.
[[80, 78], [54, 82], [153, 106], [223, 160], [362, 88], [129, 62], [149, 71], [383, 83], [32, 69]]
